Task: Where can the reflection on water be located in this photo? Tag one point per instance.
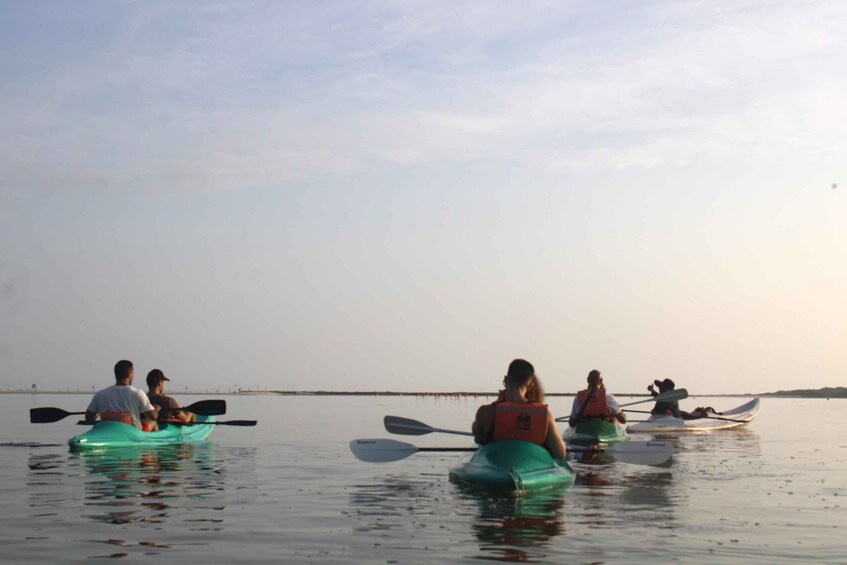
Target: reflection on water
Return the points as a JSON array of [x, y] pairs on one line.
[[140, 485], [518, 528], [147, 488], [507, 528]]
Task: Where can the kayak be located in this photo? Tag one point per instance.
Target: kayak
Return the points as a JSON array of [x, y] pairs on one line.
[[117, 434], [513, 466], [595, 432], [738, 416]]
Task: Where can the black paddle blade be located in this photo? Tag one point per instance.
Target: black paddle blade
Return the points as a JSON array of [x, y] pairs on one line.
[[208, 408], [47, 415]]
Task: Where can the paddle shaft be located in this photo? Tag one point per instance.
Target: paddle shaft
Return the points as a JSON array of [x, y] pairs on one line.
[[669, 396], [243, 423], [220, 423], [49, 415], [387, 450]]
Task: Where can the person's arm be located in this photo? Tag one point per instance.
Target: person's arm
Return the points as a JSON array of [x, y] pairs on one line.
[[554, 443], [573, 420], [482, 424], [146, 410], [615, 407], [93, 409], [177, 414]]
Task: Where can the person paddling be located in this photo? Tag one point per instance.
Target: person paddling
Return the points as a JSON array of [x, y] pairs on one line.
[[514, 417], [672, 409], [594, 403], [122, 402], [167, 407]]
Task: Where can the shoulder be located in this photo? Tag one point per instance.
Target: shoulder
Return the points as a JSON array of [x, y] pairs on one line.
[[485, 413]]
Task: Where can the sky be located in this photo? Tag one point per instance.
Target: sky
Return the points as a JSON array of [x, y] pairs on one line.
[[406, 196]]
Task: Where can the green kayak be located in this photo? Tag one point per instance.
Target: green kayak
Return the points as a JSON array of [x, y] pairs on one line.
[[513, 466], [116, 434], [594, 432]]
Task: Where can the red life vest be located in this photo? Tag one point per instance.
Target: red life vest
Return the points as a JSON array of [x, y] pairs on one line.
[[594, 406], [521, 421]]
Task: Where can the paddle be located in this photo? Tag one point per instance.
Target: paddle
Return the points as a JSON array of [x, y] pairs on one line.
[[243, 423], [698, 417], [409, 427], [386, 450], [669, 396], [48, 415]]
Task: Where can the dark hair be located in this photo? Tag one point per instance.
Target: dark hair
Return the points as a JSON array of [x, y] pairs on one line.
[[122, 370], [519, 374], [594, 377]]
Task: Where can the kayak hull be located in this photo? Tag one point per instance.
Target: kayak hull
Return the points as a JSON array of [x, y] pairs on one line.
[[107, 435], [737, 417], [595, 432], [513, 466]]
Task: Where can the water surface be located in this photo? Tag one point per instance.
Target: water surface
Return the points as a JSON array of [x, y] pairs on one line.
[[290, 490]]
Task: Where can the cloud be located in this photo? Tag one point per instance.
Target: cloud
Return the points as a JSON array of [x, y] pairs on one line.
[[214, 97]]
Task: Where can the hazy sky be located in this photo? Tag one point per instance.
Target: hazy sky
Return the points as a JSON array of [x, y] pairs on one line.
[[408, 195]]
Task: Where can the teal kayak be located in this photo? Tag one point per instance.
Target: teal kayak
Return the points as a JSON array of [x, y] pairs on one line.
[[513, 466], [105, 435], [595, 432]]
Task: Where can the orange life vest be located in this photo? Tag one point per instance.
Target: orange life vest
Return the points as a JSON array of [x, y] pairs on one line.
[[522, 421], [125, 418], [122, 417], [594, 406]]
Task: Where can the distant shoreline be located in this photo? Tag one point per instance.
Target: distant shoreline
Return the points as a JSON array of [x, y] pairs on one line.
[[840, 392]]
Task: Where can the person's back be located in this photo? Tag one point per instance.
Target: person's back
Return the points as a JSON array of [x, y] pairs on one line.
[[122, 402], [514, 417], [595, 403]]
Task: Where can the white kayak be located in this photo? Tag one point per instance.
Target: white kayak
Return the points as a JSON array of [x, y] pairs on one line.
[[740, 416]]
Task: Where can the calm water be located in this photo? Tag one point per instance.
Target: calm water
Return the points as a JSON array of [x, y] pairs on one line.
[[290, 490]]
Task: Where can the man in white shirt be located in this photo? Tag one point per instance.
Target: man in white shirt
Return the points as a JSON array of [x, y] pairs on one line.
[[595, 403], [123, 402]]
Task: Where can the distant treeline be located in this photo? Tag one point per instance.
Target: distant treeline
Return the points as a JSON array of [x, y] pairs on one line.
[[827, 392], [395, 393]]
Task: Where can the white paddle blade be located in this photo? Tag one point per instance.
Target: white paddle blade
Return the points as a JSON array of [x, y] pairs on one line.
[[641, 452], [406, 426], [381, 450]]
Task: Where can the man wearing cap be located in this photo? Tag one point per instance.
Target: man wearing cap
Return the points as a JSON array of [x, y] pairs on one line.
[[672, 408], [122, 402], [664, 408], [168, 408]]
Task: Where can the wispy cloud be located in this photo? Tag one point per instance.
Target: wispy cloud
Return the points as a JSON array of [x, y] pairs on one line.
[[213, 96]]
